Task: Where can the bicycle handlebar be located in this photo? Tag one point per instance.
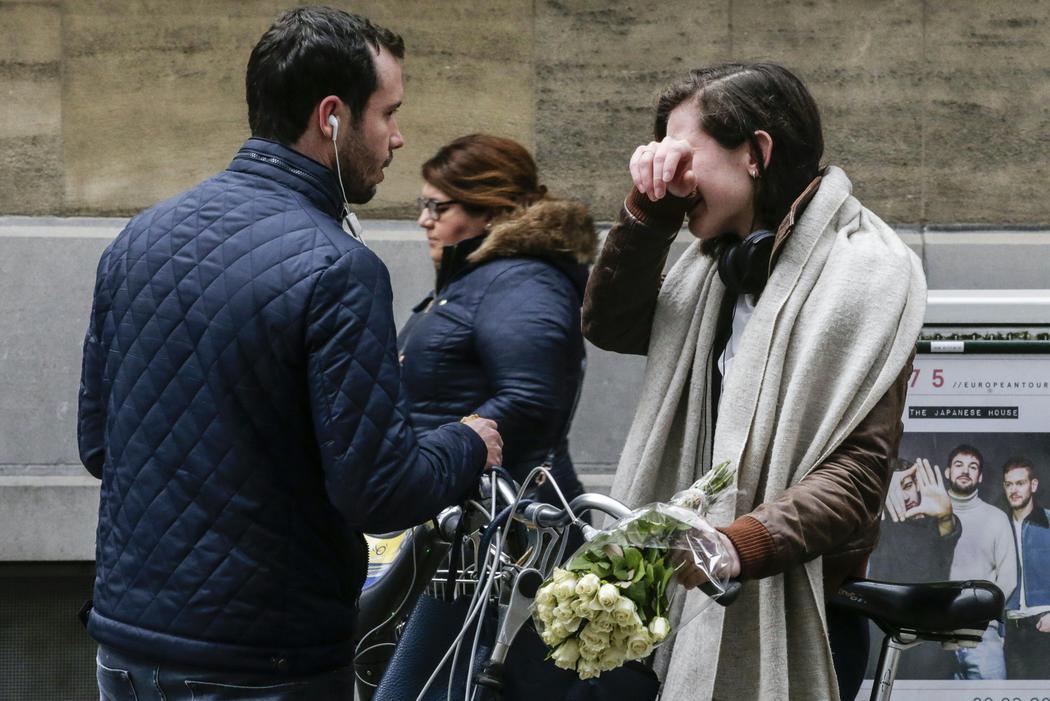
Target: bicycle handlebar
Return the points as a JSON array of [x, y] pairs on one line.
[[549, 516], [545, 515]]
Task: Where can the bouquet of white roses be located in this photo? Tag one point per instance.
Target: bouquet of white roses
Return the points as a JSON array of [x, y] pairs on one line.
[[610, 603]]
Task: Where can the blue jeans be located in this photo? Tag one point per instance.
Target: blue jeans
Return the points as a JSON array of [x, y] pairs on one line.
[[124, 678], [986, 661]]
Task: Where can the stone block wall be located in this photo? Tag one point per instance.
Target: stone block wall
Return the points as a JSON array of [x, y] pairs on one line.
[[938, 110]]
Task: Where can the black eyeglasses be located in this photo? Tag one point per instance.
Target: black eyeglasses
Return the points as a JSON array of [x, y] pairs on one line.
[[435, 208]]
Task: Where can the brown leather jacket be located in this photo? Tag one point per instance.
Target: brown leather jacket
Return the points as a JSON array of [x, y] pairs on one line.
[[834, 510]]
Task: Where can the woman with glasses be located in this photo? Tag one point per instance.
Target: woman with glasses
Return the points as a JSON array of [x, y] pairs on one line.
[[500, 335]]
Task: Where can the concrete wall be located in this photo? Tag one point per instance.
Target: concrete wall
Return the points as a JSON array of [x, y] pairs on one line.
[[937, 109], [48, 503]]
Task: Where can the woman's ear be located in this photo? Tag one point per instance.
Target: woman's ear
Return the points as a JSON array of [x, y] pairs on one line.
[[765, 147]]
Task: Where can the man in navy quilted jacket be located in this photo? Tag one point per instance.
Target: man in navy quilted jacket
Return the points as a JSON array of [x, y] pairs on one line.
[[241, 398]]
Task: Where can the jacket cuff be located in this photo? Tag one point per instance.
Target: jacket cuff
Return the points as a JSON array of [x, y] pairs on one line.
[[666, 213], [753, 544], [478, 450]]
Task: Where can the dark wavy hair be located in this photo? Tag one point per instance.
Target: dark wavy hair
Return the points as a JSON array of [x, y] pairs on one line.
[[738, 99], [308, 54], [966, 449], [486, 174]]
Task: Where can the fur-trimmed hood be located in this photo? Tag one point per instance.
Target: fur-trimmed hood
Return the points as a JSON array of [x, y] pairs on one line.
[[550, 228]]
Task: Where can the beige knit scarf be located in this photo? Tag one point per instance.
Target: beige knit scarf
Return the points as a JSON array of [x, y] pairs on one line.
[[833, 328]]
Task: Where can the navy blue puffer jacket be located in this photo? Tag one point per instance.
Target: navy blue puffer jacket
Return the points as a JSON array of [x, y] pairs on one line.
[[501, 335], [241, 401]]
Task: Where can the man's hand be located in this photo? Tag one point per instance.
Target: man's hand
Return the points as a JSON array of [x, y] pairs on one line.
[[486, 428], [933, 497], [664, 166], [895, 496], [1043, 624], [692, 576]]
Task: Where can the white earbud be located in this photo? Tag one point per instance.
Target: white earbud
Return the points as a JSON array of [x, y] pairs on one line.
[[350, 223]]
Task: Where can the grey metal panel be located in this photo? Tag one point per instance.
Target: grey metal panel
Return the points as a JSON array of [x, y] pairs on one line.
[[48, 518], [47, 268]]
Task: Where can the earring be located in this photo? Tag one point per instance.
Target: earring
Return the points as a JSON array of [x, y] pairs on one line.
[[753, 174]]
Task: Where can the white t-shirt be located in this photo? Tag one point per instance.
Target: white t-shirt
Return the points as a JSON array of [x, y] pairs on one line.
[[745, 307]]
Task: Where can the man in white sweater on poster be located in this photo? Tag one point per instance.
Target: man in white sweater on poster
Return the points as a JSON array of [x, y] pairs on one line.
[[985, 551]]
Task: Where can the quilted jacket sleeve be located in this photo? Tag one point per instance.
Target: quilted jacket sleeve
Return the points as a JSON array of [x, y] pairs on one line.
[[523, 333], [376, 474], [91, 417]]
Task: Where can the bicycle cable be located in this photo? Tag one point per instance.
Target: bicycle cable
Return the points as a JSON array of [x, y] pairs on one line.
[[471, 613], [476, 604], [481, 620], [500, 544]]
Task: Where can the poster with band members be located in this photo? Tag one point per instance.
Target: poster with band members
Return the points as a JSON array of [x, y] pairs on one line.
[[970, 499]]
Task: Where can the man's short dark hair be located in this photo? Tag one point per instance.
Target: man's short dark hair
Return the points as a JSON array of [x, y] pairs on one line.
[[966, 449], [306, 55], [1016, 463]]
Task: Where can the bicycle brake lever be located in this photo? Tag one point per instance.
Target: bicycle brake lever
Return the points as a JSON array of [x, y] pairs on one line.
[[516, 612]]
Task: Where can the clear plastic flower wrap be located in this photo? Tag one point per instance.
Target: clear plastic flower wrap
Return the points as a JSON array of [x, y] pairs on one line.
[[610, 602]]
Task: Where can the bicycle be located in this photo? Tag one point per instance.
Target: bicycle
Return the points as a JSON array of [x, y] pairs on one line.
[[523, 541], [951, 613]]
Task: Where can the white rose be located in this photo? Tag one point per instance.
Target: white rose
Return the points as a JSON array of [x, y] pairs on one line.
[[592, 636], [659, 628], [594, 606], [619, 637], [603, 623], [561, 575], [567, 654], [573, 624], [588, 585], [639, 645], [580, 607], [588, 670], [590, 652], [611, 659], [565, 590], [607, 597], [545, 612], [559, 630], [545, 596], [549, 638], [623, 612], [563, 612]]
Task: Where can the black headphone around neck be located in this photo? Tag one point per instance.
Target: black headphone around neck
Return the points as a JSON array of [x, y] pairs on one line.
[[744, 264]]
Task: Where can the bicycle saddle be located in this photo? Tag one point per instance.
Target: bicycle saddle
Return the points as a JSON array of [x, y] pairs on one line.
[[938, 610], [409, 572]]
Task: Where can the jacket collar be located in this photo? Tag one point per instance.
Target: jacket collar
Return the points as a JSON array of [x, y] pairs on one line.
[[292, 169], [794, 214], [560, 232], [1038, 516], [454, 260]]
